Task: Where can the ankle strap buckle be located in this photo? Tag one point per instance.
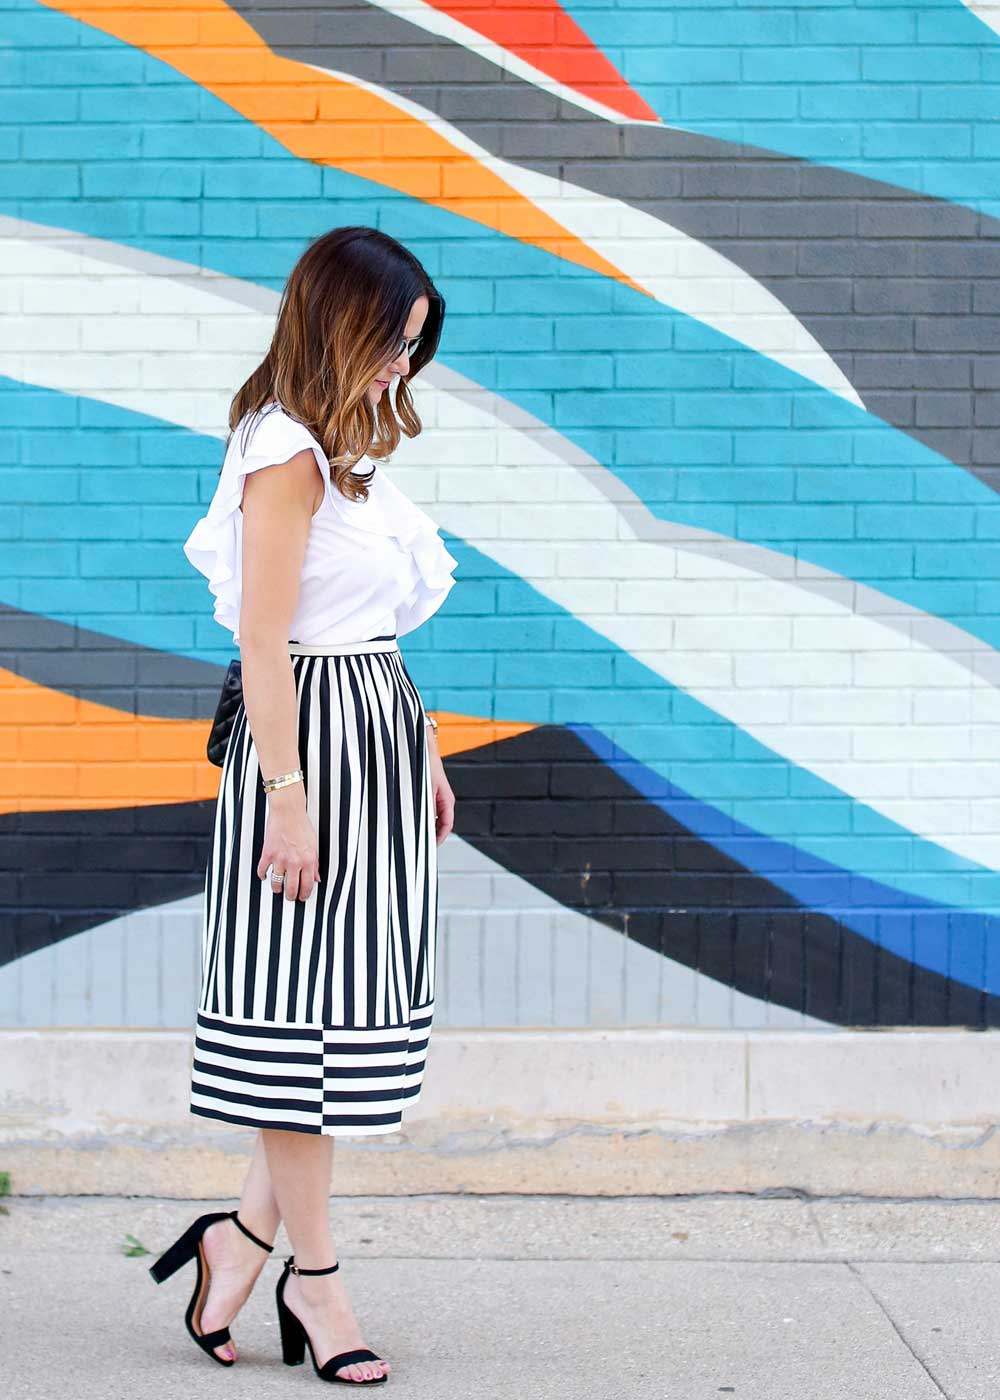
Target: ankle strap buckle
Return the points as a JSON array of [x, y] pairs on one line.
[[293, 1268]]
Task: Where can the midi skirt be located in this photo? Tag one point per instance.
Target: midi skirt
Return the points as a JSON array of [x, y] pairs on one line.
[[315, 1015]]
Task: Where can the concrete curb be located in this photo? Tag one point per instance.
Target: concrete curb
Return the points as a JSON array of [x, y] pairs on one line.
[[589, 1111]]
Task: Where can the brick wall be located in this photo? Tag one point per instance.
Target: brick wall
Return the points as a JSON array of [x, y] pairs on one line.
[[712, 430]]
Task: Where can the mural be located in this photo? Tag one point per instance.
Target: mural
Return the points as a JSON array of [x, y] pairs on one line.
[[713, 432]]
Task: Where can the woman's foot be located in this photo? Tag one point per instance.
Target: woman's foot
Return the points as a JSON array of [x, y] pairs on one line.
[[322, 1306], [234, 1264]]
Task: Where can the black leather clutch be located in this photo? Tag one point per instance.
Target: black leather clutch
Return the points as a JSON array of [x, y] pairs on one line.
[[230, 700]]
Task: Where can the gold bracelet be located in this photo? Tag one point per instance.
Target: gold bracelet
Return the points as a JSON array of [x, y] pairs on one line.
[[430, 722], [283, 780]]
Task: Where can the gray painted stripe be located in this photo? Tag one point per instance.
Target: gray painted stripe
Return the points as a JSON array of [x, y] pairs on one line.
[[106, 670]]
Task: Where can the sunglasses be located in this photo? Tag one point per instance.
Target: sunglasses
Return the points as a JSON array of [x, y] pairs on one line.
[[408, 345]]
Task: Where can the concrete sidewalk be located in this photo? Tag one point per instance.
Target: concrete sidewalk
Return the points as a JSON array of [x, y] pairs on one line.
[[760, 1298]]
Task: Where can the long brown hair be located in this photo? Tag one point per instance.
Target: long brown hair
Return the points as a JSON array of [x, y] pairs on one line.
[[342, 318]]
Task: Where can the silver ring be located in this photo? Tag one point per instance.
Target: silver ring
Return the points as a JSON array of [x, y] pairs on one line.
[[278, 875]]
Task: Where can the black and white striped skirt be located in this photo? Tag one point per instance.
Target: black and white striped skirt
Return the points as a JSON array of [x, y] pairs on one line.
[[315, 1014]]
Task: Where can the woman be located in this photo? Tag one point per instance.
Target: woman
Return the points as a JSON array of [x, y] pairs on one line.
[[319, 933]]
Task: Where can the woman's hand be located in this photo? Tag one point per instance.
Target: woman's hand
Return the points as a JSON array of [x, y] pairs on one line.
[[290, 843], [444, 798]]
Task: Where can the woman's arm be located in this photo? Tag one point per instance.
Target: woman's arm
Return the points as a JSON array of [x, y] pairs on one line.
[[278, 504], [444, 798]]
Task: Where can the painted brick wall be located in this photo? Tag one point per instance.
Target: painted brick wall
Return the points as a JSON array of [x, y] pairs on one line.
[[713, 432]]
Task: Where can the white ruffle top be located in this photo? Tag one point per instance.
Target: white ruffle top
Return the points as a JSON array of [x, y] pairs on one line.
[[371, 568]]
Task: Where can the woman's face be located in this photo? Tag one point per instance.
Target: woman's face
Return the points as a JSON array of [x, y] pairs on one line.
[[401, 364]]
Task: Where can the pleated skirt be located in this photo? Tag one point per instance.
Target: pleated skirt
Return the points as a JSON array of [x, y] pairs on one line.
[[315, 1015]]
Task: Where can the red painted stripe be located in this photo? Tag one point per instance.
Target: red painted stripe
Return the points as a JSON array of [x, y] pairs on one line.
[[541, 33]]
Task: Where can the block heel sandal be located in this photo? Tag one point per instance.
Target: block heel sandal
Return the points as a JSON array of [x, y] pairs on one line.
[[189, 1246], [295, 1338]]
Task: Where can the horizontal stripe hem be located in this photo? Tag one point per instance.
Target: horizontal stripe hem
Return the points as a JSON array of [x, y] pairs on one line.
[[327, 1128]]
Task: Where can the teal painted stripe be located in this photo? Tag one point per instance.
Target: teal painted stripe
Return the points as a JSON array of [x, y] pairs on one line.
[[904, 93]]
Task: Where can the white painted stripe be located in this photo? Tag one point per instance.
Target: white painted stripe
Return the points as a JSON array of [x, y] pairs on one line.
[[988, 11], [126, 335]]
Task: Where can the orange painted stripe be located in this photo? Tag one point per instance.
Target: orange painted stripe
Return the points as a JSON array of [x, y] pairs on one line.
[[544, 35], [60, 753], [327, 120]]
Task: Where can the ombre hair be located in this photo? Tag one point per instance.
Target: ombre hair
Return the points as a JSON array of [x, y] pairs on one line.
[[341, 320]]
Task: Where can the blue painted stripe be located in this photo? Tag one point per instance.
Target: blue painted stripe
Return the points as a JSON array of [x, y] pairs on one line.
[[963, 944]]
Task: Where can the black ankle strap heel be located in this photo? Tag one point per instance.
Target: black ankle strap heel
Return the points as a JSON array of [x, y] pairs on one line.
[[187, 1247], [295, 1338], [249, 1233]]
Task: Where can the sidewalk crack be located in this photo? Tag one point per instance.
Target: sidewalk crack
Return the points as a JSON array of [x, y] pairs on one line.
[[892, 1323]]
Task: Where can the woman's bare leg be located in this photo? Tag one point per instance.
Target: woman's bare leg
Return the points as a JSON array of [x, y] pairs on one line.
[[258, 1208], [300, 1166], [235, 1262]]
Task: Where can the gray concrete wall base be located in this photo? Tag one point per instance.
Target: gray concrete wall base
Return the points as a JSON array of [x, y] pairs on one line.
[[596, 1112]]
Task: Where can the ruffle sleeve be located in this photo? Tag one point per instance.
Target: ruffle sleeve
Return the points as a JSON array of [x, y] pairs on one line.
[[213, 546], [434, 567], [390, 511]]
